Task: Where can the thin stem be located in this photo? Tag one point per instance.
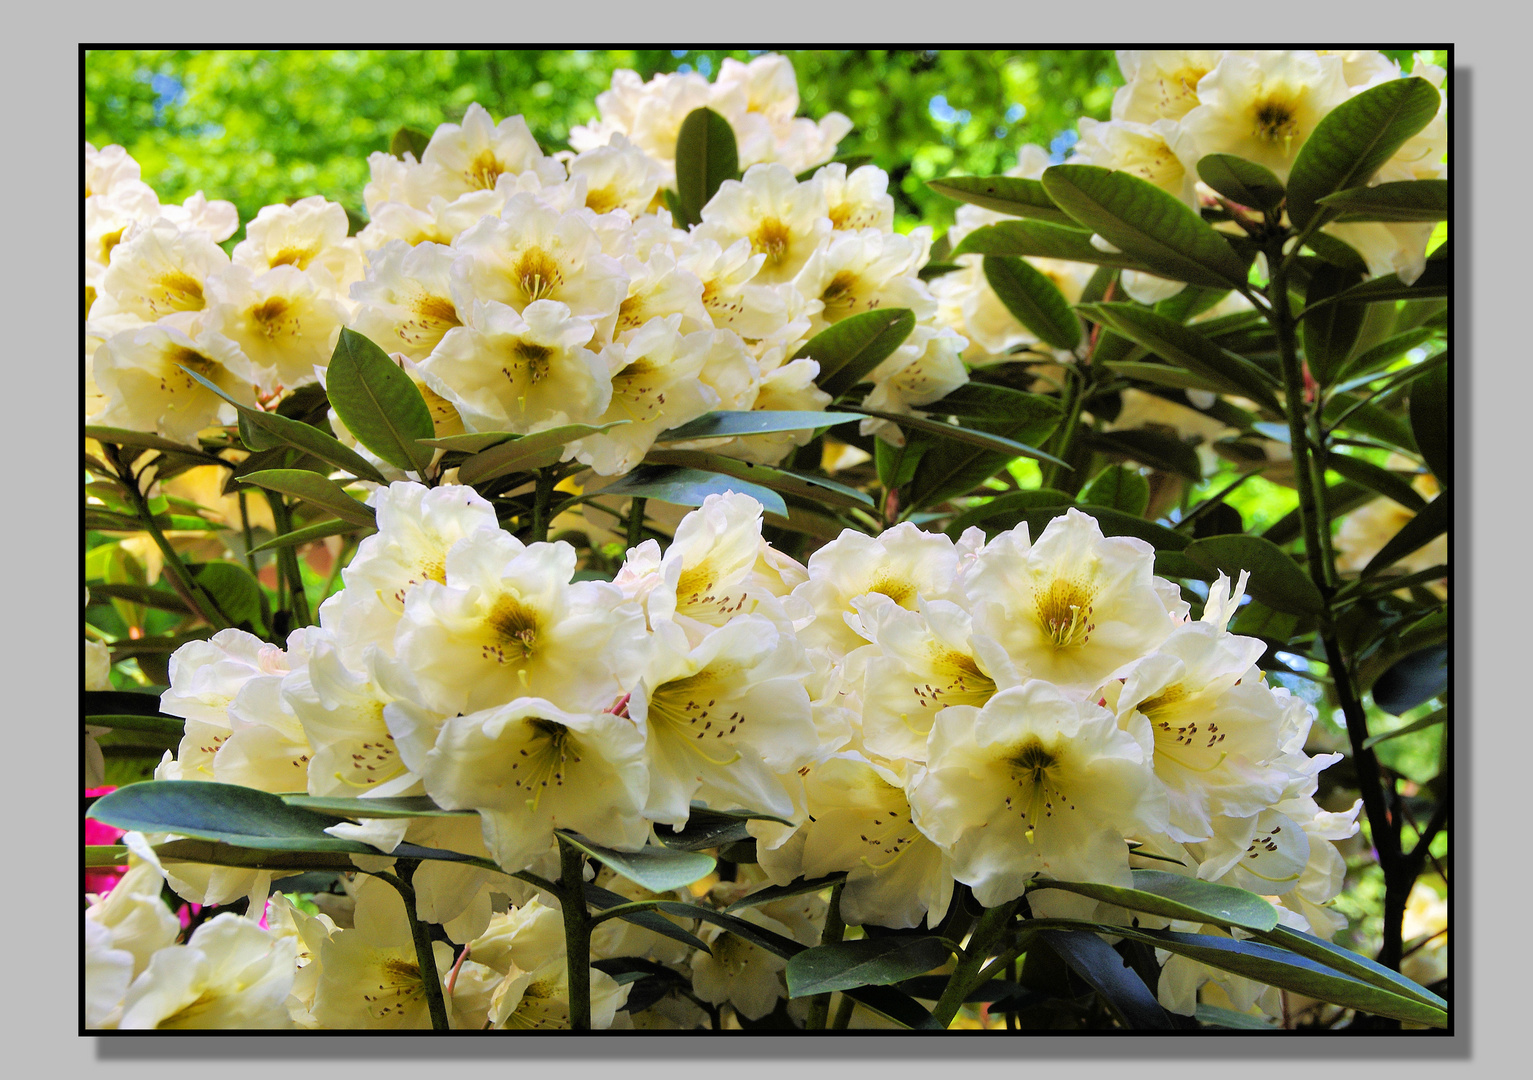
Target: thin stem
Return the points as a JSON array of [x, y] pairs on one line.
[[991, 925], [843, 1016], [250, 559], [287, 560], [577, 932], [186, 587], [835, 930], [425, 958], [1075, 395], [636, 522], [543, 493]]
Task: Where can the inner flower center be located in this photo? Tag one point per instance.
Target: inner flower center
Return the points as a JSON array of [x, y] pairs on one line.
[[772, 239], [484, 170], [515, 627], [537, 273], [1064, 612], [1276, 121]]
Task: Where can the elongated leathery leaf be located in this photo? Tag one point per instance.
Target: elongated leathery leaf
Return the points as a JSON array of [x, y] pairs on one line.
[[1150, 224], [1120, 986], [316, 489], [689, 487], [1004, 194], [846, 965], [1177, 897], [706, 156], [1241, 181], [378, 403], [1036, 301], [1354, 139], [727, 425], [1401, 200], [527, 452], [658, 869], [849, 350]]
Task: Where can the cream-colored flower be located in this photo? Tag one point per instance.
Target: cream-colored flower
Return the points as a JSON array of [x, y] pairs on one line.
[[310, 234], [509, 624], [863, 270], [529, 768], [139, 374], [1261, 106], [785, 220], [617, 176], [520, 371], [1073, 607], [405, 303], [284, 319], [903, 563], [727, 272], [158, 269], [859, 199], [478, 152], [437, 220], [230, 974], [655, 387], [723, 720], [532, 253], [1034, 783], [134, 917], [1161, 84]]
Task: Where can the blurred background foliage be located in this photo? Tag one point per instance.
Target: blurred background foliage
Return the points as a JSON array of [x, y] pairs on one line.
[[259, 127]]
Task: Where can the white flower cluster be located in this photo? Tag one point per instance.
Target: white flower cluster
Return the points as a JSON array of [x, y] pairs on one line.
[[1181, 105], [523, 292], [923, 711], [161, 294]]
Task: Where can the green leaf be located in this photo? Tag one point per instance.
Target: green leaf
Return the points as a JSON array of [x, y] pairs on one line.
[[796, 887], [1003, 194], [895, 465], [1118, 488], [214, 853], [814, 488], [1173, 896], [706, 828], [227, 813], [1277, 967], [147, 595], [851, 161], [706, 156], [105, 855], [952, 467], [1036, 301], [1400, 200], [1158, 450], [233, 589], [1330, 332], [1008, 507], [1165, 375], [1353, 140], [1215, 1016], [1042, 239], [1187, 347], [1276, 580], [1108, 974], [526, 453], [408, 140], [602, 899], [471, 443], [170, 726], [1147, 223], [1415, 678], [658, 869], [147, 440], [728, 425], [378, 403], [853, 347], [689, 487], [275, 430], [847, 965], [318, 531], [1428, 524], [1350, 963], [1242, 181], [399, 806], [1429, 422], [1432, 282], [1374, 360], [316, 489], [961, 434], [1376, 478], [1430, 720]]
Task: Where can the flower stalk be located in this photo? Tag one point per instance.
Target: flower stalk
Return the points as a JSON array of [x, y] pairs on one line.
[[577, 933], [421, 936], [834, 931]]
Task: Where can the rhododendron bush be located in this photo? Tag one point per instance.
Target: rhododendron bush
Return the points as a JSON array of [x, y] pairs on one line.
[[640, 586]]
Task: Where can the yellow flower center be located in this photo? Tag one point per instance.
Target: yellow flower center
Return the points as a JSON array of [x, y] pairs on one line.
[[484, 170], [772, 239], [537, 273], [688, 708], [1035, 769], [548, 752], [1064, 611], [295, 256], [182, 292], [514, 626], [1276, 120]]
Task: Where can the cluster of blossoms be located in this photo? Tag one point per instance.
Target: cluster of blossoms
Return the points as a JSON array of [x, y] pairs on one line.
[[1177, 107], [918, 711], [523, 291]]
